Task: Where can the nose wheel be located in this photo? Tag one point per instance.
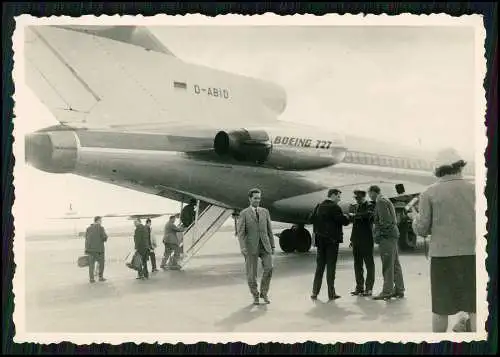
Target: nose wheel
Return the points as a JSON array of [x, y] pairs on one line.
[[294, 239]]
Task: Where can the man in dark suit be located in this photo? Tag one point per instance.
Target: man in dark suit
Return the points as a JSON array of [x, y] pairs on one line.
[[256, 240], [141, 242], [95, 236], [362, 243], [328, 221]]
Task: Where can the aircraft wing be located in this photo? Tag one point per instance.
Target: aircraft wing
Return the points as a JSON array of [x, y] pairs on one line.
[[105, 78], [111, 215]]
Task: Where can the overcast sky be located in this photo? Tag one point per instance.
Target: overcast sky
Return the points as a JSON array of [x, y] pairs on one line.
[[406, 85]]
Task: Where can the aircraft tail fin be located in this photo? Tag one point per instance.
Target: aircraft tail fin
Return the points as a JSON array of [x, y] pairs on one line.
[[123, 76]]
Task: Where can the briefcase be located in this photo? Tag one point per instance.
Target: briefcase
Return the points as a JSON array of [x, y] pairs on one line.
[[83, 261]]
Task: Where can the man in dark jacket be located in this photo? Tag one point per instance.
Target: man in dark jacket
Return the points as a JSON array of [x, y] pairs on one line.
[[141, 242], [95, 236], [362, 243], [152, 255], [328, 221], [188, 213]]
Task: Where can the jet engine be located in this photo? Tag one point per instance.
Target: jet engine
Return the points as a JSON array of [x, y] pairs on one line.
[[244, 145], [53, 151], [290, 149]]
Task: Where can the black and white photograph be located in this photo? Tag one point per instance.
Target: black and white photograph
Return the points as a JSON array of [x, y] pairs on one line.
[[249, 178]]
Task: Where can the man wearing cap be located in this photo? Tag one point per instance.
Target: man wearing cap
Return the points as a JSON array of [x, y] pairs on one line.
[[386, 235], [447, 214], [362, 243]]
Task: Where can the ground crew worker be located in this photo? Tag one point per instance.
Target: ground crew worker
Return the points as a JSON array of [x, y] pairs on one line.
[[328, 221], [362, 244], [95, 236], [447, 213]]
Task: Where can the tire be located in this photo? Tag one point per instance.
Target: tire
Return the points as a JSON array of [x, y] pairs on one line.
[[303, 240], [287, 241]]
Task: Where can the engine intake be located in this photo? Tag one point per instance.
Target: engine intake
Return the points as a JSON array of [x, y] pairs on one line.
[[244, 145]]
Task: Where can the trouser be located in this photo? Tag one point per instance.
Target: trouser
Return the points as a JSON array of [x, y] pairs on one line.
[[326, 255], [251, 262], [363, 253], [169, 248], [95, 257], [144, 257], [391, 268], [152, 257]]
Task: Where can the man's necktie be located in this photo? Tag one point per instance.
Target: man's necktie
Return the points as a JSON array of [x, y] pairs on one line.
[[257, 214]]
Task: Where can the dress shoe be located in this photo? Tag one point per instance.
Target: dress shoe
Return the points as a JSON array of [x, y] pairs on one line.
[[314, 297], [382, 297], [334, 297], [357, 292], [102, 279], [256, 300], [92, 281], [398, 295], [367, 293], [265, 298]]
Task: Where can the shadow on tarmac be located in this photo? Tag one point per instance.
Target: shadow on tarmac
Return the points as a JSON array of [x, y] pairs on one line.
[[241, 316]]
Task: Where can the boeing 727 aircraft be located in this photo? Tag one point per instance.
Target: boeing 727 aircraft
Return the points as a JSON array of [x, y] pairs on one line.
[[133, 114]]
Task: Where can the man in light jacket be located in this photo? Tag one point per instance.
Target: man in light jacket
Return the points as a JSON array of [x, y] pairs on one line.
[[256, 240], [447, 213], [171, 241], [386, 235]]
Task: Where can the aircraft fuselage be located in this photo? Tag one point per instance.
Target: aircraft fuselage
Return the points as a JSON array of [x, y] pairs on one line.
[[178, 167]]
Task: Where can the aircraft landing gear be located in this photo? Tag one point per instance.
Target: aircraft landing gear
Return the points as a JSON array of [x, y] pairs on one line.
[[296, 238]]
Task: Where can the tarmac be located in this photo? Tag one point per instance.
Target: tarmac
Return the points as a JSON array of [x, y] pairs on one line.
[[211, 294]]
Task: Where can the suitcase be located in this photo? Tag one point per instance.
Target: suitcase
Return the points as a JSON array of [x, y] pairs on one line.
[[83, 261]]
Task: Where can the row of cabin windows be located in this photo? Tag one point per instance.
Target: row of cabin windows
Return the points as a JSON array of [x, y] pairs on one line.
[[389, 161]]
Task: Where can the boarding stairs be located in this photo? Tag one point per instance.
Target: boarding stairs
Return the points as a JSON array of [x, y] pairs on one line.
[[206, 224]]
